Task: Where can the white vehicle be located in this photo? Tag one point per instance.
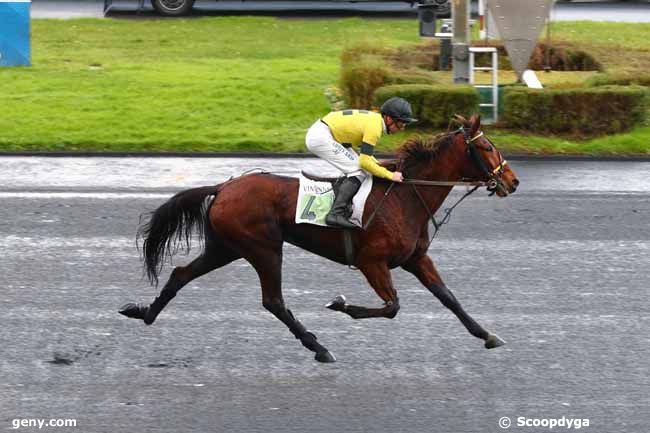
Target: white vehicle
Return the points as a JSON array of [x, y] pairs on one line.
[[184, 7]]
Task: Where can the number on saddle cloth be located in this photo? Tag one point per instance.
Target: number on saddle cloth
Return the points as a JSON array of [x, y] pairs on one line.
[[314, 201], [315, 198]]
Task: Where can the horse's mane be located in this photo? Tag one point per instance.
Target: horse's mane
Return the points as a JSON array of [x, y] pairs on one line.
[[419, 148], [424, 148]]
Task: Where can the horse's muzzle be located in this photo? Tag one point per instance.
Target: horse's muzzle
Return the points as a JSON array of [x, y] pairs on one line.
[[508, 184]]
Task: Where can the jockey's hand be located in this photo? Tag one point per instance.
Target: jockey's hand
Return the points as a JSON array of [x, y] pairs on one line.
[[397, 176]]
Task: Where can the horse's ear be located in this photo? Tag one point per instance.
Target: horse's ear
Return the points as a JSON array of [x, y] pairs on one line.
[[475, 122], [458, 119]]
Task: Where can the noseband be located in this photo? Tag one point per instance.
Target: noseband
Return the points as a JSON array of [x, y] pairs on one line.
[[493, 175]]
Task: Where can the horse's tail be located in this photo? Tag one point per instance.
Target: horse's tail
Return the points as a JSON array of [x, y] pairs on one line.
[[170, 225]]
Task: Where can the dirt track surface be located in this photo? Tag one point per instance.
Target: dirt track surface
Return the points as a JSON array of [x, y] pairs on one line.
[[559, 270]]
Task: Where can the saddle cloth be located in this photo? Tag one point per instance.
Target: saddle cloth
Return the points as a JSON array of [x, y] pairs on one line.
[[315, 201]]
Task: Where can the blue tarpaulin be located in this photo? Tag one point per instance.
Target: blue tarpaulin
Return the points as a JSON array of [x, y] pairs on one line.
[[14, 33]]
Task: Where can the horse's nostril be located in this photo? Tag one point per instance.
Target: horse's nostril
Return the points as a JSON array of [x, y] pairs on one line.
[[515, 182]]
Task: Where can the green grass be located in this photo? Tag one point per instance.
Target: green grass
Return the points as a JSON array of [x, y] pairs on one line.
[[198, 84], [630, 36], [621, 47], [210, 84]]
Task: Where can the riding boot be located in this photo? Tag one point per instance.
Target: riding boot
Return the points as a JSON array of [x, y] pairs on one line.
[[337, 216]]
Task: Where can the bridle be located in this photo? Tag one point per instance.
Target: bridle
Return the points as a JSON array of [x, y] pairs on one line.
[[494, 175], [493, 183]]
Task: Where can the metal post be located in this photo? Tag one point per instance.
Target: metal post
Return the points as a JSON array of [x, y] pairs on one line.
[[495, 85], [461, 40], [547, 57], [481, 18]]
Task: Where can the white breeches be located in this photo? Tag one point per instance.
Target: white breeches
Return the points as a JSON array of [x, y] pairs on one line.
[[321, 143]]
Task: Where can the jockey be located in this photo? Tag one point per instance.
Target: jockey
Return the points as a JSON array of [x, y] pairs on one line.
[[333, 137]]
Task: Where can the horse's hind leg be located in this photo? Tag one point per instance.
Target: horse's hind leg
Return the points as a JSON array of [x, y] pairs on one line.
[[268, 265], [212, 258], [378, 275], [423, 268]]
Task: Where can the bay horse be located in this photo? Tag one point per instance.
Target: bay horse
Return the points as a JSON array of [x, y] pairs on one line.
[[251, 216]]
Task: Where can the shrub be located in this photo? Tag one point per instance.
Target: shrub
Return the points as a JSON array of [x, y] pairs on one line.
[[365, 68], [562, 57], [423, 56], [433, 105], [579, 111], [620, 79], [410, 76], [360, 79]]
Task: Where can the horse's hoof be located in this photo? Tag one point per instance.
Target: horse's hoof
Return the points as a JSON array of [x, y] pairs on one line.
[[134, 311], [325, 356], [336, 304], [493, 341]]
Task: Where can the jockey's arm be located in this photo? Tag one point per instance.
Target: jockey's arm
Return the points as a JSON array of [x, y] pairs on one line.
[[368, 162]]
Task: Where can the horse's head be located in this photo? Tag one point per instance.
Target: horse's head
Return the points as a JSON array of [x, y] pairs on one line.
[[484, 161], [464, 154]]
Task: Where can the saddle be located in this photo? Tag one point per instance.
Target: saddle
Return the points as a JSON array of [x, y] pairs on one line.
[[335, 181], [317, 178]]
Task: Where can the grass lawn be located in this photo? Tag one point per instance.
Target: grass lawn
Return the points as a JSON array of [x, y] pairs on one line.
[[222, 84]]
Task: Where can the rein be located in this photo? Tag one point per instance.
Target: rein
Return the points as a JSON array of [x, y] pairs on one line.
[[443, 183], [448, 211], [492, 184]]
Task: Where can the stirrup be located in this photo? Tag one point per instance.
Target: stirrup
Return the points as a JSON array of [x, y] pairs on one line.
[[340, 221]]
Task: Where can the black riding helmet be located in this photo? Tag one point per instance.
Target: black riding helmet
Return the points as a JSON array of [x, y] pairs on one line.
[[399, 109]]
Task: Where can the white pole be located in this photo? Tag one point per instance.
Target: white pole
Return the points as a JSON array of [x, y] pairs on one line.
[[495, 84]]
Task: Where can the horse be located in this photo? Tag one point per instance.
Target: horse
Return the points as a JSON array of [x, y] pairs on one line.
[[251, 216]]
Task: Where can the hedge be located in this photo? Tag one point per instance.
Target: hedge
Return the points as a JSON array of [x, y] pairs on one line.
[[560, 57], [365, 68], [359, 80], [433, 105], [578, 111], [619, 79]]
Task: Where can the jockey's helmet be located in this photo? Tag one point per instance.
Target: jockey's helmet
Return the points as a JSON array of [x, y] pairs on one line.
[[399, 109]]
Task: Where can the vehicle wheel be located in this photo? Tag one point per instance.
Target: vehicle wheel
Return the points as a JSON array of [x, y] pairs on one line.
[[172, 8]]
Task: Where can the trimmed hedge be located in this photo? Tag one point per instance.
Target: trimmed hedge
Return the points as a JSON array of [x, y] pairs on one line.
[[561, 57], [410, 76], [433, 105], [578, 111], [360, 79], [365, 68], [620, 79]]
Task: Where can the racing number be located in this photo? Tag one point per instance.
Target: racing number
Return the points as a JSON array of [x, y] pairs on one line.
[[307, 214]]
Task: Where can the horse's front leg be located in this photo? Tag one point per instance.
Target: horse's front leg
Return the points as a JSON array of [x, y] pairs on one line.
[[423, 268], [378, 275]]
